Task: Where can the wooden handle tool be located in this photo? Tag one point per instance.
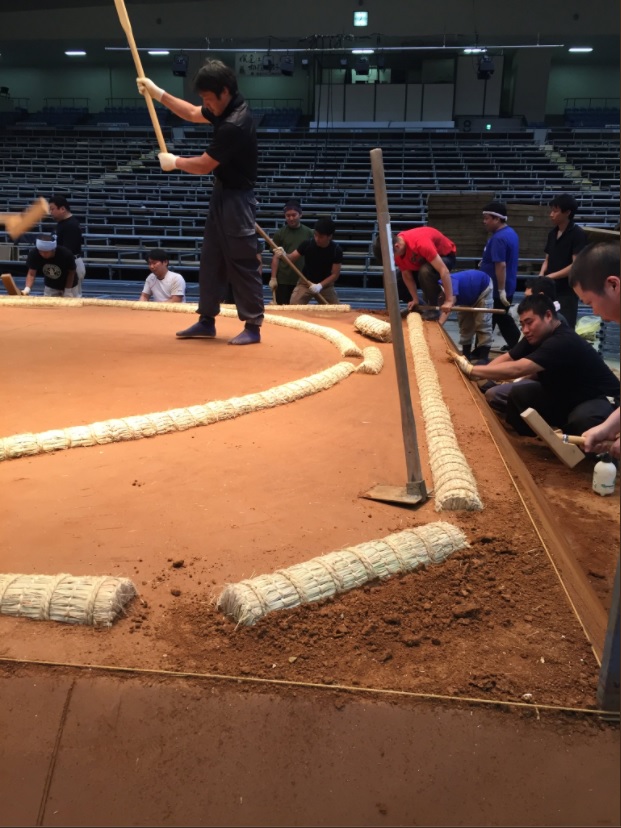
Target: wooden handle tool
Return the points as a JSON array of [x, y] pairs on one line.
[[127, 28], [301, 276], [18, 223]]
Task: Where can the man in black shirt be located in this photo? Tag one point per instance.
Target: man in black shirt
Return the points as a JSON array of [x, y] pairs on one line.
[[57, 266], [564, 378], [229, 250], [564, 243], [68, 234], [322, 265]]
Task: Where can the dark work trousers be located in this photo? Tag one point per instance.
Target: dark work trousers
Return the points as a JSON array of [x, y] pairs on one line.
[[506, 323], [229, 253], [531, 394], [428, 279], [568, 301], [283, 294]]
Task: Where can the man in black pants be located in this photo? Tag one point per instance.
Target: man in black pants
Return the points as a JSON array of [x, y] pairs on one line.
[[69, 234], [564, 243], [562, 377], [229, 250]]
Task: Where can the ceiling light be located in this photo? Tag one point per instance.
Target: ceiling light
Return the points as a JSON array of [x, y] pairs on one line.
[[580, 49], [75, 53], [474, 50], [159, 52], [362, 51]]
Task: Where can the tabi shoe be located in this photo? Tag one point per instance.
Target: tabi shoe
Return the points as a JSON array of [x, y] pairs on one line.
[[205, 328], [251, 335], [430, 315]]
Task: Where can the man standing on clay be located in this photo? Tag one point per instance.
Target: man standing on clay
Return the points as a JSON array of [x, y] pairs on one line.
[[229, 250]]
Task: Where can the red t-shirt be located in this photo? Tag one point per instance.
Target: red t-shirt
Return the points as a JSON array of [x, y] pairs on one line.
[[422, 244]]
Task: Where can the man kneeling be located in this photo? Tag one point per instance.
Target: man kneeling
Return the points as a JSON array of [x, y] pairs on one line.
[[560, 375]]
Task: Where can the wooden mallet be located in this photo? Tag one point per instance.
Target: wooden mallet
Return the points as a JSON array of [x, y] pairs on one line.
[[18, 223], [9, 283], [301, 276], [127, 28]]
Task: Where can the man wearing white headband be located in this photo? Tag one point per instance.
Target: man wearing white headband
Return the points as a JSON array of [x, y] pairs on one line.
[[57, 266], [500, 262]]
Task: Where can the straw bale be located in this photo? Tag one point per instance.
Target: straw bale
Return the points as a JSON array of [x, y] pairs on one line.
[[372, 327], [319, 578], [454, 483], [373, 361], [92, 600]]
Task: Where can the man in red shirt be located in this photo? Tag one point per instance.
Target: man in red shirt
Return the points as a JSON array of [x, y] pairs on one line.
[[424, 256]]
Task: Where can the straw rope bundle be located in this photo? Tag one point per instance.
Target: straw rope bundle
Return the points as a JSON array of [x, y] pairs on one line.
[[454, 483], [346, 346], [92, 600], [373, 328], [373, 361], [176, 419], [40, 302], [248, 601]]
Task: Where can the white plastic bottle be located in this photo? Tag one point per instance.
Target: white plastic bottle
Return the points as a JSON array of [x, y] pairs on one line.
[[604, 475]]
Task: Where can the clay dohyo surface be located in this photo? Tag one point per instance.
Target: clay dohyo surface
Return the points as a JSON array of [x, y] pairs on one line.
[[184, 514]]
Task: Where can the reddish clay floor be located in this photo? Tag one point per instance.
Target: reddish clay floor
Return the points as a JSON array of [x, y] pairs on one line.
[[184, 514]]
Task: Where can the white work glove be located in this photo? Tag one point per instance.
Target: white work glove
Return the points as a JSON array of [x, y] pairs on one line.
[[26, 291], [273, 283], [168, 161], [147, 87], [461, 362], [503, 298], [316, 288], [278, 252]]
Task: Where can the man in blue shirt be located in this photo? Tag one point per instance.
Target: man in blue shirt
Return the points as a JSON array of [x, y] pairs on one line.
[[500, 262], [472, 289]]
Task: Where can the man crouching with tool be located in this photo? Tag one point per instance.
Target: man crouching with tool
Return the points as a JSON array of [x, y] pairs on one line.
[[229, 251], [562, 376]]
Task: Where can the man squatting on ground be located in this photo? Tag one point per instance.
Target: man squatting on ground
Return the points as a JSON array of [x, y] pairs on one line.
[[162, 284], [595, 278], [422, 254], [564, 378], [68, 234], [288, 238], [229, 249], [500, 261], [322, 264], [57, 266]]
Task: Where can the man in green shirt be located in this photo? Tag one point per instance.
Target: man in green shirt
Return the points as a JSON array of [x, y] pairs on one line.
[[288, 239]]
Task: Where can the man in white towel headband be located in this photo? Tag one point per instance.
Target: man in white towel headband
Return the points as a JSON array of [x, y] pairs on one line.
[[57, 266]]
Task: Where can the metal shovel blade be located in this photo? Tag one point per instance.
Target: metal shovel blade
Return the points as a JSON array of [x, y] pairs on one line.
[[401, 495]]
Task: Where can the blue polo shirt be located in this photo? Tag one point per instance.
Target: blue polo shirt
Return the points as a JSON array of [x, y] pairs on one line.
[[468, 285], [502, 246]]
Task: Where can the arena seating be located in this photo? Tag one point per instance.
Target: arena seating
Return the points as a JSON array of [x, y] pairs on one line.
[[126, 205]]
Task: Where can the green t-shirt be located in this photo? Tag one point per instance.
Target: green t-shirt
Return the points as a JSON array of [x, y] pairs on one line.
[[290, 240]]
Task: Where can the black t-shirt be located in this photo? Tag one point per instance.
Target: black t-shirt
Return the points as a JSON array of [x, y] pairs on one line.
[[234, 145], [54, 270], [318, 261], [573, 372], [69, 235], [561, 250]]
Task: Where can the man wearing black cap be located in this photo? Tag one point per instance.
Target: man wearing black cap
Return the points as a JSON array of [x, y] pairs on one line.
[[57, 266], [500, 262]]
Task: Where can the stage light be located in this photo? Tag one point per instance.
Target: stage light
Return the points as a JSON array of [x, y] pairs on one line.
[[180, 65], [485, 67], [286, 65]]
